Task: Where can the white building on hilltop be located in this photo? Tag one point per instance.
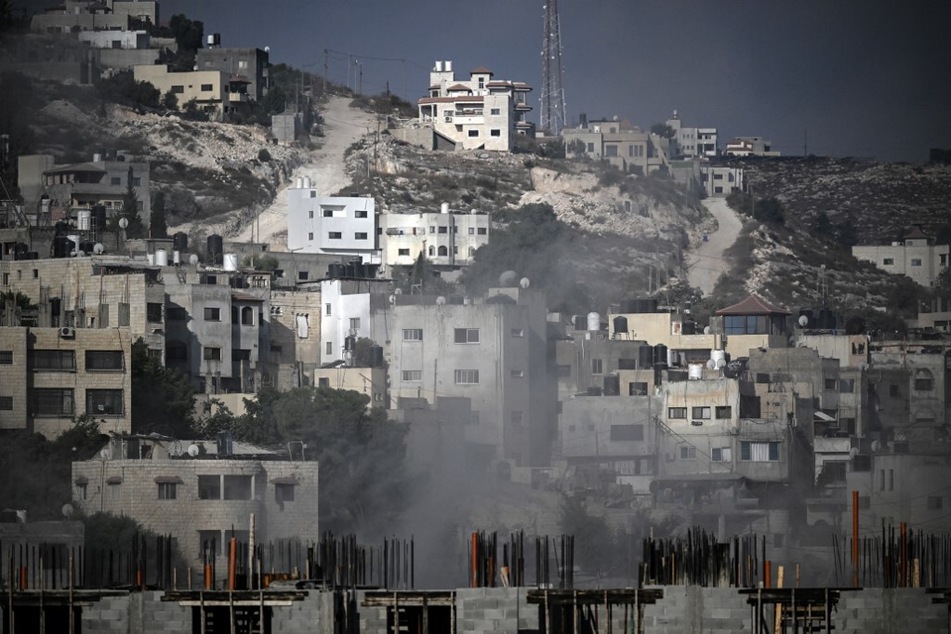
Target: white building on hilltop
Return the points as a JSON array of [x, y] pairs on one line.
[[447, 238], [481, 113], [692, 142], [915, 256], [334, 225]]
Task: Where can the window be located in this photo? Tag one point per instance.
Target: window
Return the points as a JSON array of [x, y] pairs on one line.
[[104, 402], [335, 235], [176, 313], [495, 132], [6, 357], [402, 252], [721, 454], [482, 231], [473, 133], [329, 347], [688, 452], [115, 180], [677, 412], [52, 402], [893, 391], [98, 360], [700, 412], [466, 377], [759, 451], [412, 334], [495, 111], [723, 411], [360, 235], [211, 354], [247, 316], [466, 335], [830, 384], [916, 261], [627, 432], [935, 503], [746, 325], [518, 332], [360, 213], [237, 487], [209, 487], [597, 366], [211, 279], [327, 309], [412, 375], [443, 229], [610, 150], [637, 388], [283, 492], [327, 213], [53, 360], [517, 374], [167, 490], [6, 403], [323, 381], [115, 491], [178, 90], [153, 312], [924, 380], [310, 235], [310, 214], [591, 147], [212, 314], [846, 386], [207, 87], [888, 261]]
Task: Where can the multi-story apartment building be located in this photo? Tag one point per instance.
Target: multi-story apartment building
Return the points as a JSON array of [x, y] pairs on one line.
[[721, 180], [215, 93], [73, 190], [692, 142], [446, 239], [623, 145], [51, 376], [201, 492], [331, 225], [218, 326], [251, 64], [73, 16], [478, 113], [915, 255], [294, 342]]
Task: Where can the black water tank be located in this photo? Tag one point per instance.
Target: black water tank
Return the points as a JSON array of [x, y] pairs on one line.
[[99, 217], [358, 270], [620, 324], [87, 247], [594, 391], [20, 251], [649, 305], [660, 354], [376, 356], [61, 228], [180, 241], [62, 246], [348, 270], [612, 385], [215, 248], [627, 306], [688, 328], [645, 357], [337, 270]]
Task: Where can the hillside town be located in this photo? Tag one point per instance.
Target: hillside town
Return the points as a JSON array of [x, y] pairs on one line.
[[353, 338]]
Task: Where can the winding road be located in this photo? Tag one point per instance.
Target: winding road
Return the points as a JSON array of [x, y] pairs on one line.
[[705, 264]]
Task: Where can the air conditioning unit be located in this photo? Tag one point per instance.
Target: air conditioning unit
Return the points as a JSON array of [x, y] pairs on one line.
[[448, 119], [67, 332]]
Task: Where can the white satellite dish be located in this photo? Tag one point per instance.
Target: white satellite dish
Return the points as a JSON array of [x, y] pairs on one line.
[[105, 453], [68, 510], [98, 249], [854, 451], [876, 446], [193, 450], [392, 299], [803, 320], [524, 282], [123, 223], [711, 364], [193, 259], [440, 301], [398, 291], [721, 363], [706, 330]]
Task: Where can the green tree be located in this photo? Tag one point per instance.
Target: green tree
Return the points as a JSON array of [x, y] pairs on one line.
[[170, 101], [163, 401], [595, 548], [663, 130], [158, 225], [769, 210]]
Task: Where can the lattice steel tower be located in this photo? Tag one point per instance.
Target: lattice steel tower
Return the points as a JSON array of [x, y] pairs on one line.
[[552, 118]]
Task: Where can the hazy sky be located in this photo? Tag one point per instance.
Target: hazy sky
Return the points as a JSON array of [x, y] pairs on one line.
[[864, 78]]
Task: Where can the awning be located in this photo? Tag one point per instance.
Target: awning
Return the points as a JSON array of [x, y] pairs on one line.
[[819, 414], [168, 480]]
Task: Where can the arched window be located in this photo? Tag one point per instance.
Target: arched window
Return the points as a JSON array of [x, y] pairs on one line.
[[924, 380], [247, 316], [432, 250], [471, 251], [443, 250]]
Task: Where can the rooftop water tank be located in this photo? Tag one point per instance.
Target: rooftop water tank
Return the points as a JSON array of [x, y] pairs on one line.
[[231, 261], [594, 321]]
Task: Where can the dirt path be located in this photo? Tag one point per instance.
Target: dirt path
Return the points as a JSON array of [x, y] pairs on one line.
[[705, 263], [343, 125]]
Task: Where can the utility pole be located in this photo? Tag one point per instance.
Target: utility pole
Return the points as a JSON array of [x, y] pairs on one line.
[[325, 70]]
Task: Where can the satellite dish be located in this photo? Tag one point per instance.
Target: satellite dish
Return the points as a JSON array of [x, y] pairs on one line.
[[80, 254], [398, 291], [98, 249], [711, 364], [854, 451], [524, 282], [706, 330], [68, 510], [803, 320], [440, 301], [123, 223], [876, 445], [105, 453], [508, 278], [193, 259], [193, 450], [721, 363], [392, 299]]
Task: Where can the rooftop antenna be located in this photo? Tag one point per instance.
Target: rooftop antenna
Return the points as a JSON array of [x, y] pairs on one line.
[[552, 118]]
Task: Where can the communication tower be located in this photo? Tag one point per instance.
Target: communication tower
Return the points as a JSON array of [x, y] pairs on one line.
[[552, 118]]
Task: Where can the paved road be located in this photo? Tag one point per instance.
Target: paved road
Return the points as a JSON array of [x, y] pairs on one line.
[[705, 263]]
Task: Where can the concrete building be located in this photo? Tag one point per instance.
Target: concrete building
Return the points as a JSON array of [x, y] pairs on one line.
[[218, 327], [348, 311], [618, 142], [750, 146], [251, 64], [478, 113], [74, 16], [52, 58], [331, 225], [692, 142], [721, 180], [125, 40], [51, 376], [215, 93], [294, 342], [915, 255], [492, 350], [446, 239], [752, 323], [369, 381], [79, 187], [201, 491]]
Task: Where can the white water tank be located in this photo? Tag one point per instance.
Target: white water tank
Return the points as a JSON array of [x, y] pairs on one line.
[[176, 257], [444, 208], [718, 357], [231, 261], [84, 219], [161, 257], [96, 158], [75, 241], [594, 321], [299, 182], [695, 371], [307, 182]]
